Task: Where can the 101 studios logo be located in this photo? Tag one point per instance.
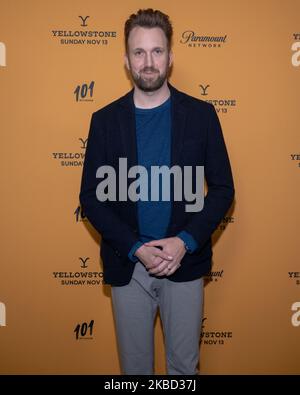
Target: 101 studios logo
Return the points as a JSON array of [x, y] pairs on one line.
[[84, 330], [84, 92], [296, 49], [2, 314], [296, 316], [2, 54]]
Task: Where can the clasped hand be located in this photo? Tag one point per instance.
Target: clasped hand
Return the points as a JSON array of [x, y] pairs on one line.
[[162, 261]]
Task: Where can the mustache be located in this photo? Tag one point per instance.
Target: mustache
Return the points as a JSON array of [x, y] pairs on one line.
[[151, 69]]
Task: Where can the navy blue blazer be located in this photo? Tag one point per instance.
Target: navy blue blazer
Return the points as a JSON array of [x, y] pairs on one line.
[[196, 139]]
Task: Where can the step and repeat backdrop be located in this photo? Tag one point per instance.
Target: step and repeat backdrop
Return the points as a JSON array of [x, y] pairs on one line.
[[60, 61]]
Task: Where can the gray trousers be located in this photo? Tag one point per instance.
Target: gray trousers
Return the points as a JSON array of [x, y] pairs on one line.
[[135, 306]]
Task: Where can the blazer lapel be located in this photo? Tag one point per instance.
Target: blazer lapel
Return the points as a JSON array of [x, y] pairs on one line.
[[126, 118], [178, 117]]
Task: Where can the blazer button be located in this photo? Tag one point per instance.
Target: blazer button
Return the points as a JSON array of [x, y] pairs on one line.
[[117, 253]]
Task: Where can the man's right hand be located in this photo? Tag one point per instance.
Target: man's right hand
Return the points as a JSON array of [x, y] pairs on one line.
[[151, 257]]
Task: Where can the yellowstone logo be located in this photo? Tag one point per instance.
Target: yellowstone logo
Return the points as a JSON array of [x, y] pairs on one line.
[[204, 89], [79, 278], [214, 337], [83, 19], [83, 262], [221, 104], [83, 37], [296, 157], [71, 159], [295, 276]]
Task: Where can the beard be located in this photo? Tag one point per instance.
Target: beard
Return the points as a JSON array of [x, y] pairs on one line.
[[149, 83]]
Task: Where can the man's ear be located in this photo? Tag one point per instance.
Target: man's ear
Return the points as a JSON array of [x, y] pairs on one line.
[[126, 60], [170, 58]]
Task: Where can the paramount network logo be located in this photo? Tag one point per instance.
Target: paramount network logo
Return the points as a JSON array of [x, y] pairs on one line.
[[159, 186], [296, 49], [2, 314], [2, 55], [191, 39], [214, 276]]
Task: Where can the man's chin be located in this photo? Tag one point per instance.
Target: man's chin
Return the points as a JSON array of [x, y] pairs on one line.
[[148, 86]]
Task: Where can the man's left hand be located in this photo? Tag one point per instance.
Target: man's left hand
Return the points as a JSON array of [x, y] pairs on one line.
[[173, 246]]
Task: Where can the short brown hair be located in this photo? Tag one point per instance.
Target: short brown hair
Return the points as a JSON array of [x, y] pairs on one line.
[[149, 18]]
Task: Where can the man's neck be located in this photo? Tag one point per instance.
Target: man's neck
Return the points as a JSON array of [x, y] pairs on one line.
[[151, 99]]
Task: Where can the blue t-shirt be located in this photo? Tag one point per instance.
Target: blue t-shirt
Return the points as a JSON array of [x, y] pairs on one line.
[[153, 136]]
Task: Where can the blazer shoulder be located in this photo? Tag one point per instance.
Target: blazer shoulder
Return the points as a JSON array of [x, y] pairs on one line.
[[111, 108], [196, 102]]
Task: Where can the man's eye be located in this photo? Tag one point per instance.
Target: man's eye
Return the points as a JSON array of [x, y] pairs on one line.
[[138, 53], [158, 50]]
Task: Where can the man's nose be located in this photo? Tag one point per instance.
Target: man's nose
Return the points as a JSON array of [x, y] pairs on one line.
[[148, 59]]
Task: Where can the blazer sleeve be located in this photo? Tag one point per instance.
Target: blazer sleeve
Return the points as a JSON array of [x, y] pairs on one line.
[[220, 186], [112, 229]]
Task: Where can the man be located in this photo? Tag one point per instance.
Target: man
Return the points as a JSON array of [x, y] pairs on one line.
[[155, 252]]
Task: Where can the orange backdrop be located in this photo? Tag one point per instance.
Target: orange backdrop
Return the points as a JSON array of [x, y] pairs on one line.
[[60, 60]]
